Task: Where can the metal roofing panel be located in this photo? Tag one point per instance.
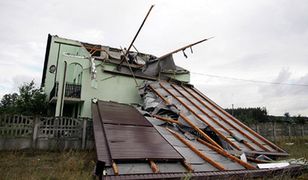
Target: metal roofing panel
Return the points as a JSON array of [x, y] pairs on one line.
[[129, 135], [102, 151], [138, 142], [116, 113]]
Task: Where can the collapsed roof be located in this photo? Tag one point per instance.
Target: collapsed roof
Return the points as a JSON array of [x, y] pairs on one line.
[[177, 132], [199, 113]]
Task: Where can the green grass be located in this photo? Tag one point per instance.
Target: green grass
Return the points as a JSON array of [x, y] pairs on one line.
[[299, 149], [80, 164], [46, 165]]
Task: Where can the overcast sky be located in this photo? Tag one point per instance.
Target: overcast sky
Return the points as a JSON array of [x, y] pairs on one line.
[[263, 40]]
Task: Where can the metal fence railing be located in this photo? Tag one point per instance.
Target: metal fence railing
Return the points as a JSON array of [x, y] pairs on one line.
[[71, 90]]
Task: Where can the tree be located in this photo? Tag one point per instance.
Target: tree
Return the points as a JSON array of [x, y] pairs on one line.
[[29, 101], [250, 115], [287, 117], [299, 119], [8, 103]]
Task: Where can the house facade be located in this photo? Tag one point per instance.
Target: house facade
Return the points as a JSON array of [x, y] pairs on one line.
[[175, 132], [75, 73]]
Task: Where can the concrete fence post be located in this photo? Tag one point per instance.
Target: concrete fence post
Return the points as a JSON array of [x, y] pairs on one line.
[[289, 129], [36, 123], [84, 134], [274, 130]]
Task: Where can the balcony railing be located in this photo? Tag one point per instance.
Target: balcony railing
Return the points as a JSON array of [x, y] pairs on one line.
[[71, 90]]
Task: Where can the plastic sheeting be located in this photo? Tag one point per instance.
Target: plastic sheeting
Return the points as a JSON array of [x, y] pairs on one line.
[[154, 67]]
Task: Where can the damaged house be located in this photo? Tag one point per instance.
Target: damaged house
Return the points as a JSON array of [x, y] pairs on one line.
[[74, 73], [148, 121]]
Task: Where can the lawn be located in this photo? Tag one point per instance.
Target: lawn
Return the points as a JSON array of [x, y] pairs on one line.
[[80, 164]]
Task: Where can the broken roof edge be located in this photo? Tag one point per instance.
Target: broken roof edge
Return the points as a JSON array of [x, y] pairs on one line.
[[292, 170], [179, 71]]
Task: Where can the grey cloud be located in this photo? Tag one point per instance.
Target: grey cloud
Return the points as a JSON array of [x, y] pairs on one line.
[[283, 76], [253, 40], [12, 85], [297, 86], [287, 98], [278, 99]]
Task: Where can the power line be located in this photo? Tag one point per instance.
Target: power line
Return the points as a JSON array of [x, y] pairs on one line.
[[249, 80]]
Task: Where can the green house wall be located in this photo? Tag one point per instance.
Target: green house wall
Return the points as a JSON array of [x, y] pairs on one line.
[[106, 86]]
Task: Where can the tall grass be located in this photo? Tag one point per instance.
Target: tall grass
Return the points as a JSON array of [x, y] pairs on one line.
[[297, 147], [73, 165], [46, 165]]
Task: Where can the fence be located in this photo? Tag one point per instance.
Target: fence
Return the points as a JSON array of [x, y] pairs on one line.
[[277, 130], [24, 132]]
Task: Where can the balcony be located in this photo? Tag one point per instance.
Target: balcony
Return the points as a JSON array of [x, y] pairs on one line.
[[72, 92]]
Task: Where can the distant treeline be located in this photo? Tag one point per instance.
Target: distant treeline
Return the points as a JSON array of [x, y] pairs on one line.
[[259, 114]]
